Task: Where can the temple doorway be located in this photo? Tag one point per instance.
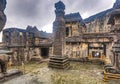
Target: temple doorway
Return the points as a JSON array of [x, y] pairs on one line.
[[45, 52], [97, 49]]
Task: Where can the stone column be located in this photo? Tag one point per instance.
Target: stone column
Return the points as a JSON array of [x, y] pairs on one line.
[[88, 49], [69, 32], [59, 30]]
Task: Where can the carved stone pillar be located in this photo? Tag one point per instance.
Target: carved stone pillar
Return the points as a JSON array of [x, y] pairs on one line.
[[59, 30], [59, 60]]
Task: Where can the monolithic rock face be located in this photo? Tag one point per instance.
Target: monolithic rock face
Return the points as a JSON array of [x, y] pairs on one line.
[[2, 15]]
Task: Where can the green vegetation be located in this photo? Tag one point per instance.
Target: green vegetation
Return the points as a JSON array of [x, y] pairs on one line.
[[78, 73], [29, 67]]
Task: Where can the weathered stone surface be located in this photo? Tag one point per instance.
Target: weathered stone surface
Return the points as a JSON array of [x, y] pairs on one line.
[[59, 62], [115, 32], [2, 24], [59, 29], [10, 73], [72, 34], [2, 15], [117, 5], [27, 44]]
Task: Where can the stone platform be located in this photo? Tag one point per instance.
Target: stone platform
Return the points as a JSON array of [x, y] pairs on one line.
[[10, 74], [59, 62]]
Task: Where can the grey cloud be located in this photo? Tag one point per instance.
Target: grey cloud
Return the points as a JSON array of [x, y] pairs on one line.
[[26, 8], [90, 6], [21, 13]]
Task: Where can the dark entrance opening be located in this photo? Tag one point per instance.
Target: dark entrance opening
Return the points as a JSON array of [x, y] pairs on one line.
[[44, 52], [67, 32], [3, 66], [96, 54], [101, 48]]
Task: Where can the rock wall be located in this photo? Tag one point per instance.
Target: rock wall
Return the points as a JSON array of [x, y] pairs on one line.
[[76, 50], [98, 25], [27, 54], [2, 15]]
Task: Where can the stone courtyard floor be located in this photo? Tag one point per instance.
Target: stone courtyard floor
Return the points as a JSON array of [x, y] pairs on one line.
[[79, 73]]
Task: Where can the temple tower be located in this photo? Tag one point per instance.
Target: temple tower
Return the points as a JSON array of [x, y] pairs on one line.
[[59, 29]]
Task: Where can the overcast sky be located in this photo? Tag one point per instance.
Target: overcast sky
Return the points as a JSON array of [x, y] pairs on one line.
[[40, 13]]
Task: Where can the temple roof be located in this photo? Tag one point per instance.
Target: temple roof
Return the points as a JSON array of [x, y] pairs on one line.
[[34, 30], [14, 29], [73, 17], [42, 34], [113, 13], [97, 16]]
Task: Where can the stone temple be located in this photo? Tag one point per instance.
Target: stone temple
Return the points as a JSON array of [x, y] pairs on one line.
[[72, 36]]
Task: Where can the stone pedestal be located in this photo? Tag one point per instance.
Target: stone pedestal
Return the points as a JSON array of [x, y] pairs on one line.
[[59, 62]]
